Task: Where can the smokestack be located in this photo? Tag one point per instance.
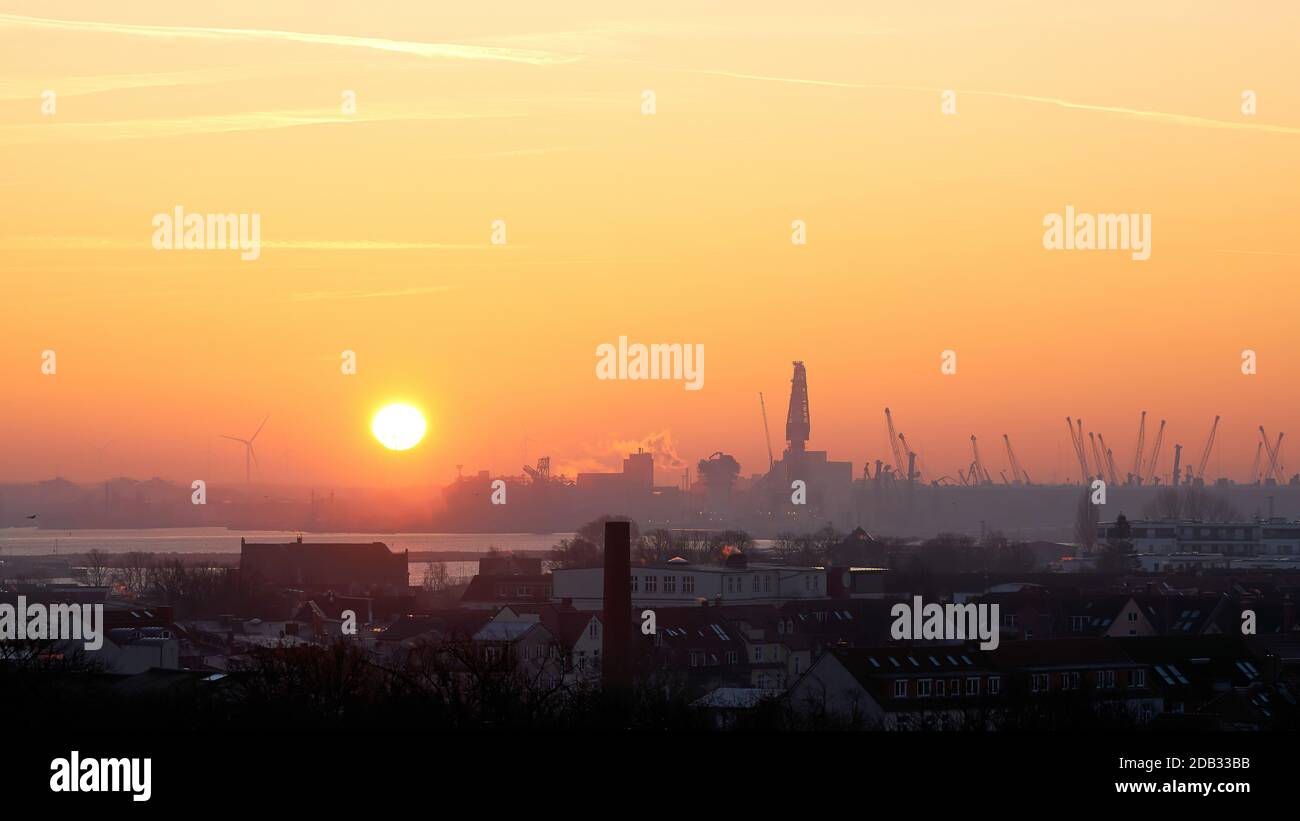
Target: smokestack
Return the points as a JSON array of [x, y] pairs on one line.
[[616, 670]]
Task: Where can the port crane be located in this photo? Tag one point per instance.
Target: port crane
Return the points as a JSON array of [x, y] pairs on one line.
[[1155, 453], [1096, 454], [1136, 474], [1110, 461], [1274, 452], [1076, 439], [767, 433], [981, 475], [1205, 454], [1018, 473], [893, 443]]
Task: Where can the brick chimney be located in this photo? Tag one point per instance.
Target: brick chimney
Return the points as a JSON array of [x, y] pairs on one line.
[[616, 669]]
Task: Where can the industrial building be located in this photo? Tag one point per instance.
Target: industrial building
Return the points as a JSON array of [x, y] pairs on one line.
[[326, 566], [1275, 537]]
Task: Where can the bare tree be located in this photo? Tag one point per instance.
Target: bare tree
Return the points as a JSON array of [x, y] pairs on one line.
[[139, 572], [435, 577], [98, 573]]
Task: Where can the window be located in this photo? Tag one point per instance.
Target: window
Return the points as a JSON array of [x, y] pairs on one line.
[[796, 665], [697, 658], [1009, 621], [688, 584], [651, 584], [1105, 678], [670, 584], [503, 590], [732, 657], [758, 654], [1074, 681], [754, 584], [1132, 615], [972, 686], [1137, 678], [594, 629], [767, 584], [900, 688], [1065, 681], [923, 688], [635, 580], [995, 685], [938, 688]]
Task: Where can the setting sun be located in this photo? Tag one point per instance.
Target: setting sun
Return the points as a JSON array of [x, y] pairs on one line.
[[398, 427]]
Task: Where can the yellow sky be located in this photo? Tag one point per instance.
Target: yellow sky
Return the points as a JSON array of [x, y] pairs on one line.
[[924, 230]]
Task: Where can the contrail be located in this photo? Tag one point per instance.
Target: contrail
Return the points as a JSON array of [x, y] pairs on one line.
[[448, 50], [1158, 116]]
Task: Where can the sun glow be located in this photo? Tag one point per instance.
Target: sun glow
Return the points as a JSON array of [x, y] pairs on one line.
[[398, 427]]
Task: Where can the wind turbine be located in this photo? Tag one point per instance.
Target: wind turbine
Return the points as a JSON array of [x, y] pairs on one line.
[[250, 455]]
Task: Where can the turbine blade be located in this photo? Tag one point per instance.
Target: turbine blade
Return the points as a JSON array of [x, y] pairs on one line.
[[253, 453], [259, 427], [234, 438]]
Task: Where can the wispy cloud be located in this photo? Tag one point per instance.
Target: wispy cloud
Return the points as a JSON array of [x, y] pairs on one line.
[[455, 51], [1257, 253], [61, 129], [318, 296], [79, 243], [1123, 111], [26, 89]]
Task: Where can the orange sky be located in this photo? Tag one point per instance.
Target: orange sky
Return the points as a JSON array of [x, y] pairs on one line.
[[924, 230]]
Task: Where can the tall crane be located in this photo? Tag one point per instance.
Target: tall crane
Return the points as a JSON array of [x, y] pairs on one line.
[[981, 475], [909, 453], [893, 443], [1017, 472], [1096, 454], [767, 434], [1136, 474], [1110, 461], [1205, 454], [1254, 467], [1076, 439], [1274, 452], [1155, 453]]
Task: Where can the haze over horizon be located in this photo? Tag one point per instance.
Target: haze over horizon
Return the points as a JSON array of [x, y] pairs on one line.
[[924, 234]]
